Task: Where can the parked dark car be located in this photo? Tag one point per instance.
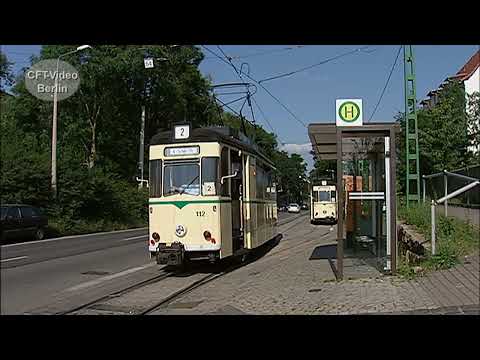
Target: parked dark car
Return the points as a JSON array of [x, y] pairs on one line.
[[22, 221], [282, 208], [304, 207]]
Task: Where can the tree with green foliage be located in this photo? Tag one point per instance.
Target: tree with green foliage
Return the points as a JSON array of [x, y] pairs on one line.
[[473, 118], [98, 133], [443, 135], [6, 77], [322, 169], [291, 172]]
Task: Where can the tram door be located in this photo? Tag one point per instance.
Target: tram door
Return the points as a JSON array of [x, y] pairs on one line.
[[237, 197]]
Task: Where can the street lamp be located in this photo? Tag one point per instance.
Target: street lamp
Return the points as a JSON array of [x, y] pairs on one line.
[[54, 122]]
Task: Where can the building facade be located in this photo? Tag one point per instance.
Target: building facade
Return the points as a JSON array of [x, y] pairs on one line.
[[469, 76]]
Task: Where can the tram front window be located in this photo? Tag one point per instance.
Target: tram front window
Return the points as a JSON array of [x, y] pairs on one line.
[[181, 179], [324, 196]]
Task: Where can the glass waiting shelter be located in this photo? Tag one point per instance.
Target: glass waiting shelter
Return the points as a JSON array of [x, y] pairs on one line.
[[365, 162]]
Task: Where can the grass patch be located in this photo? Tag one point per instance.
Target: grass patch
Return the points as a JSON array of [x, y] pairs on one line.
[[455, 238]]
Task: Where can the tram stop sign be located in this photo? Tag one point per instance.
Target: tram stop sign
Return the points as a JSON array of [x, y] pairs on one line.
[[349, 112]]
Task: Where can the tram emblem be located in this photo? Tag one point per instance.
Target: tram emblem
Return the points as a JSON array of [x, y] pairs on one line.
[[180, 230]]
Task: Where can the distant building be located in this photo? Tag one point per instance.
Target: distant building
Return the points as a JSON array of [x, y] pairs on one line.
[[469, 76]]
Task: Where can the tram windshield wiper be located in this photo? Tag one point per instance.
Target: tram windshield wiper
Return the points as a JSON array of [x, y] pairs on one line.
[[190, 183], [171, 192]]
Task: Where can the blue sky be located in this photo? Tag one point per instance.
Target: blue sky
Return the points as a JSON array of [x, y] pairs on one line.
[[311, 94]]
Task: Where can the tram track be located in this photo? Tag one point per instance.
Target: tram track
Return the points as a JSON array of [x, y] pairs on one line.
[[97, 303], [211, 277], [117, 293]]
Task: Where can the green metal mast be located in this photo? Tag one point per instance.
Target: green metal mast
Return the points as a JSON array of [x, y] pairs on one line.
[[413, 161]]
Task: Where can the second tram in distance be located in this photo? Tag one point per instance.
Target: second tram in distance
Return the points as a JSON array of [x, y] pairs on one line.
[[323, 204]]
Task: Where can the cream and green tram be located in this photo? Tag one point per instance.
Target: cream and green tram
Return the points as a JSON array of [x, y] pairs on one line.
[[323, 204], [212, 195]]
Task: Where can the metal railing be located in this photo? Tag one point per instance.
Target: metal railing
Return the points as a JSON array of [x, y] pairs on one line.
[[473, 182]]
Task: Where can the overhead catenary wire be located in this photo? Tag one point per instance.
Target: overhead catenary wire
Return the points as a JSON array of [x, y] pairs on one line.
[[262, 53], [263, 87], [282, 142], [387, 82], [314, 65], [249, 98]]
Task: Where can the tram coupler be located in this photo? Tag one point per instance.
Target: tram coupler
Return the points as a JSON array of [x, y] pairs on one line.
[[170, 255]]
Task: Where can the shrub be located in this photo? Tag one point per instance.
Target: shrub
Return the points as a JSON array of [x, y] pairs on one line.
[[455, 238]]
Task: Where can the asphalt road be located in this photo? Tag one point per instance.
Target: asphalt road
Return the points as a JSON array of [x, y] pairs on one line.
[[33, 274]]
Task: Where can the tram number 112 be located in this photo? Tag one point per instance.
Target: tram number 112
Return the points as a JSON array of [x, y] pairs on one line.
[[200, 213]]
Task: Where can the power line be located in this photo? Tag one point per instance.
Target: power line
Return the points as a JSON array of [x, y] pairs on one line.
[[248, 91], [261, 53], [314, 65], [282, 142], [386, 84], [230, 62], [263, 87]]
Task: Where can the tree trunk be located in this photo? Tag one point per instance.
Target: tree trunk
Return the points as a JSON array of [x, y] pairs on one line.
[[93, 150]]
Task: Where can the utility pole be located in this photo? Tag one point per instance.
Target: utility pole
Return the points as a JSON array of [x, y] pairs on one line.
[[148, 63], [141, 151], [54, 122], [411, 133]]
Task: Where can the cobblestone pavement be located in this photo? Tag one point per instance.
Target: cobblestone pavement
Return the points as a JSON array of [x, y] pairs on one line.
[[285, 281], [448, 310]]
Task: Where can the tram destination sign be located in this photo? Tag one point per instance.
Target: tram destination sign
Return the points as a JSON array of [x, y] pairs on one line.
[[349, 112], [182, 151]]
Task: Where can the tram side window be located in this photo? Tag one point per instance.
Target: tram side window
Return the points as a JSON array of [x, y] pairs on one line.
[[209, 176], [155, 178], [225, 188], [260, 183]]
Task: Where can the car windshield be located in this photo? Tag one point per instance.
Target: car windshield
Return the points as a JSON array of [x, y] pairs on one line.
[[181, 179], [294, 205], [3, 212]]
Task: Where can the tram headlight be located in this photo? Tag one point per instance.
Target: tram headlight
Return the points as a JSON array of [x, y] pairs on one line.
[[208, 236], [156, 237]]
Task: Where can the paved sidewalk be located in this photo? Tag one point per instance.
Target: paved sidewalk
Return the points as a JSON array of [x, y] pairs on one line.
[[285, 281], [449, 310], [466, 214]]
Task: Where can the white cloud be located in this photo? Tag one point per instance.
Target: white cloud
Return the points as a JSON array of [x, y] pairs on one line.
[[296, 148]]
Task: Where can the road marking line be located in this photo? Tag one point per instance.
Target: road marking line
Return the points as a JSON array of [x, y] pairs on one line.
[[15, 258], [109, 277], [74, 237], [135, 237]]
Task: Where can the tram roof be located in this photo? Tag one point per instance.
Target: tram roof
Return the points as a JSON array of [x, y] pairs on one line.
[[222, 134]]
